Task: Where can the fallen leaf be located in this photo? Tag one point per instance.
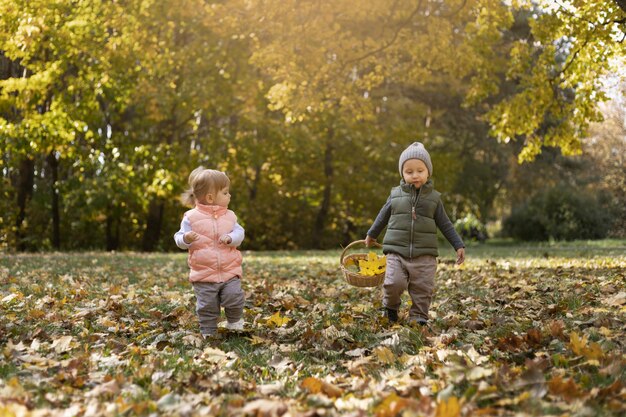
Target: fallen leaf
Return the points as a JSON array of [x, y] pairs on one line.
[[579, 346], [567, 389], [316, 386], [270, 389], [108, 388], [280, 363], [62, 344], [277, 320], [617, 300], [265, 408], [393, 405], [448, 408], [356, 352]]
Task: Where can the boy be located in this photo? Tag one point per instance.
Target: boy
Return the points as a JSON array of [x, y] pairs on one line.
[[413, 212]]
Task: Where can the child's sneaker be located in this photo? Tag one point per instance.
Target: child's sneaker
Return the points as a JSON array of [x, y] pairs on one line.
[[392, 315], [238, 325]]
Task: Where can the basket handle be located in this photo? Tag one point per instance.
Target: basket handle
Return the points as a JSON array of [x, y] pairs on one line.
[[356, 242]]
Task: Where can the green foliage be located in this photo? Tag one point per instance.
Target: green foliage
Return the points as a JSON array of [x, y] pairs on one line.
[[105, 108], [561, 213], [470, 228]]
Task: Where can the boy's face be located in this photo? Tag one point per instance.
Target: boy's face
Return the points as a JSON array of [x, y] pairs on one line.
[[221, 198], [414, 171]]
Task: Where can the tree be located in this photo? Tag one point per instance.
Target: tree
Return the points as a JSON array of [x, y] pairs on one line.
[[106, 107], [605, 163], [558, 96], [62, 51]]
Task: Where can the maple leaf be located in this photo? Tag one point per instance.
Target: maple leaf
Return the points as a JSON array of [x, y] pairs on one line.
[[277, 320], [579, 347], [577, 344], [373, 265], [568, 389]]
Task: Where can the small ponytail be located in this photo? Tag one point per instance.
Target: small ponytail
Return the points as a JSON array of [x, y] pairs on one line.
[[201, 182], [187, 198]]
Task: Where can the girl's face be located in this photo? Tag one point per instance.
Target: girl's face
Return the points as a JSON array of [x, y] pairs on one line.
[[221, 198], [414, 171]]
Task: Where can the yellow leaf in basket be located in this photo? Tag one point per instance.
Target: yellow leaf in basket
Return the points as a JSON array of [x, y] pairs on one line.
[[373, 265]]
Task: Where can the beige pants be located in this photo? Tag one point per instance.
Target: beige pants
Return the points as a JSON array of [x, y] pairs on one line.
[[417, 275], [211, 296]]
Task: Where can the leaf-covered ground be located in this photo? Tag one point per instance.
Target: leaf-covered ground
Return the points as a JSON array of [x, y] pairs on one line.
[[534, 331]]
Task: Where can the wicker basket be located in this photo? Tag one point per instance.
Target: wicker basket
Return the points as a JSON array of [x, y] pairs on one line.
[[354, 278]]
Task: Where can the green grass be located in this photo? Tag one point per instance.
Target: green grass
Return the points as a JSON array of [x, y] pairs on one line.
[[131, 316]]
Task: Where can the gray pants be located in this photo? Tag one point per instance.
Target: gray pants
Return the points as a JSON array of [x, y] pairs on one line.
[[211, 296], [417, 275]]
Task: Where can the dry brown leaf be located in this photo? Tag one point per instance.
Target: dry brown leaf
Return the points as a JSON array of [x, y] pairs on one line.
[[265, 408], [556, 328], [392, 405], [316, 386], [107, 388], [567, 389], [62, 344], [617, 300]]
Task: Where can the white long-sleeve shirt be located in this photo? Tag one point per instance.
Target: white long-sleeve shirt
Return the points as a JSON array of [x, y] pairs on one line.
[[236, 235]]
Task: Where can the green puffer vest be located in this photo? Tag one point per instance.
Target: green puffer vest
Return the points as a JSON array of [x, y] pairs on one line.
[[405, 235]]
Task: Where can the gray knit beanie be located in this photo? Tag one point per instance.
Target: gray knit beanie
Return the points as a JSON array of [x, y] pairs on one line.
[[416, 151]]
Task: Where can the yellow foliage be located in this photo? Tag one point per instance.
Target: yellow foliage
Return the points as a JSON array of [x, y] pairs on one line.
[[384, 354], [373, 265], [449, 408], [277, 320], [579, 347]]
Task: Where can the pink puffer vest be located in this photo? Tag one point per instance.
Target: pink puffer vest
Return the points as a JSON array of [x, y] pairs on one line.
[[209, 260]]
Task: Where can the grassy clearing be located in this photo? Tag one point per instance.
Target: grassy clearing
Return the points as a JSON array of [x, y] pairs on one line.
[[538, 329]]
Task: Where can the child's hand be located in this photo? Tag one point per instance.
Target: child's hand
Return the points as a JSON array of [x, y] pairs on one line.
[[460, 256], [369, 241], [190, 237], [226, 240]]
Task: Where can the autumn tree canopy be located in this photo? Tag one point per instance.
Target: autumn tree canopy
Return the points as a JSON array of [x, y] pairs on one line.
[[105, 107]]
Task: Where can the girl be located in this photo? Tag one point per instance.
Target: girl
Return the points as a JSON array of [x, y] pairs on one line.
[[211, 234]]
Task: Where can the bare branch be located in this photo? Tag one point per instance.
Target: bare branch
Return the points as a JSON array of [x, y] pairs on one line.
[[390, 42]]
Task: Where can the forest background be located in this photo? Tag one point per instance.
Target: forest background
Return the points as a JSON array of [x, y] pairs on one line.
[[106, 107]]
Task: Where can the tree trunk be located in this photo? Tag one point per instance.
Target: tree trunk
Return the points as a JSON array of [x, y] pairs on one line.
[[25, 182], [322, 214], [112, 228], [53, 163], [153, 226], [254, 188], [348, 230]]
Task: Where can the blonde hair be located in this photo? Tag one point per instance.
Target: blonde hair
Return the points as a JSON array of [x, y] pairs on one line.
[[202, 182]]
